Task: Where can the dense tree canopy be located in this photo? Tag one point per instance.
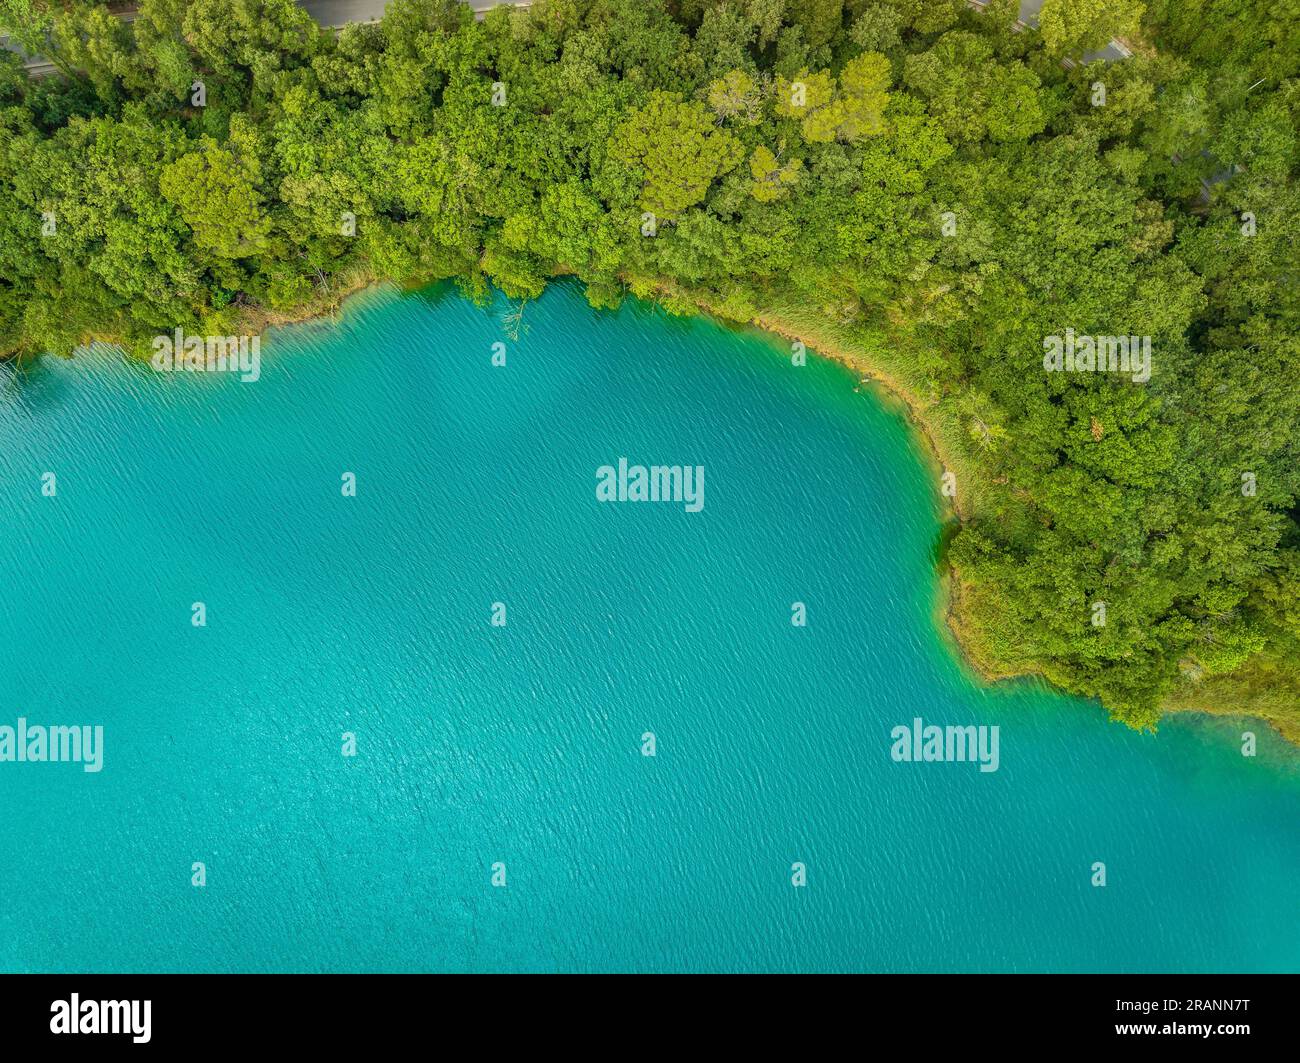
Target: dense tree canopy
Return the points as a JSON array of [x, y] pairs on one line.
[[925, 181]]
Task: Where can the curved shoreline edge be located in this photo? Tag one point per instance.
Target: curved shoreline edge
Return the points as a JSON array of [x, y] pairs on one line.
[[888, 387], [952, 590]]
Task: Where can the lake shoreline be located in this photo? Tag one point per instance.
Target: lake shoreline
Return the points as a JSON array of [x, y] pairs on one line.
[[952, 588], [888, 387]]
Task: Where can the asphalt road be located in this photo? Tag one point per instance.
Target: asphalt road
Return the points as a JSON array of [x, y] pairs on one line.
[[329, 13], [1029, 10], [335, 13]]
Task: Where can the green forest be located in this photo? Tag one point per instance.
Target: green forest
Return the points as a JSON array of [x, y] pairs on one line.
[[924, 184]]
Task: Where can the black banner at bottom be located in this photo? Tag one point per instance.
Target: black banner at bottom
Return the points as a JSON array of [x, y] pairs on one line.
[[584, 1013]]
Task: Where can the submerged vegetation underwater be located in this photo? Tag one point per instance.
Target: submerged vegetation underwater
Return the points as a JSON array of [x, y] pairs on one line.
[[942, 196]]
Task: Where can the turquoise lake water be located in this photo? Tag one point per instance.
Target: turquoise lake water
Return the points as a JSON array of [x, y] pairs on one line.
[[522, 744]]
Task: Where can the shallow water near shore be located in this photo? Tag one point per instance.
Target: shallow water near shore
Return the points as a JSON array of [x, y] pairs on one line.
[[522, 744]]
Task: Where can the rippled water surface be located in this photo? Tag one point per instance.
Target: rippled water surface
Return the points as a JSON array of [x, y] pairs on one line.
[[522, 744]]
